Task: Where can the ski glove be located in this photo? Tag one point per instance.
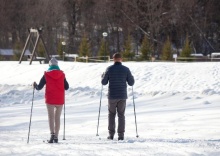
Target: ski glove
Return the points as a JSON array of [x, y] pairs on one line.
[[103, 74], [34, 84]]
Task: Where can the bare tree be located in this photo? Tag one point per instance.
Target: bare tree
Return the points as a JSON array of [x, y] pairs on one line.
[[69, 20]]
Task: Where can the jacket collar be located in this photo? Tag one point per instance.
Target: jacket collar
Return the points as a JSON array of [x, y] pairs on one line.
[[117, 63]]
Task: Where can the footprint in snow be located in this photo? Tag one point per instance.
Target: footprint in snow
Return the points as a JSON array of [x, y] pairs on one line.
[[198, 97], [206, 103], [187, 98]]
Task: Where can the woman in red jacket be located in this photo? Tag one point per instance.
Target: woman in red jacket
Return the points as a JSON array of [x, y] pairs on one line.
[[56, 84]]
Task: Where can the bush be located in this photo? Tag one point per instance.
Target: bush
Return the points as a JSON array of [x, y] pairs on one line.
[[146, 50], [167, 54]]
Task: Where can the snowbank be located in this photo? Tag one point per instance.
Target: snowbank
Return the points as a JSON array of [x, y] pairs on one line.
[[177, 107]]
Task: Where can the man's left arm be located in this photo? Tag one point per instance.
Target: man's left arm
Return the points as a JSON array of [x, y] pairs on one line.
[[130, 78]]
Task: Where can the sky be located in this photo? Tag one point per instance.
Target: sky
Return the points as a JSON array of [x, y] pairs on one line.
[[177, 110]]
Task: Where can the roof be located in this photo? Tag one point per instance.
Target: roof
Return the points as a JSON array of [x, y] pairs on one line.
[[198, 54], [216, 53], [10, 52]]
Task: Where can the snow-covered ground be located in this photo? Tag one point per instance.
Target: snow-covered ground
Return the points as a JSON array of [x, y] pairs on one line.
[[177, 108]]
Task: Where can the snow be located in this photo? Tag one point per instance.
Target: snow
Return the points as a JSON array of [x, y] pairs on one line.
[[177, 109]]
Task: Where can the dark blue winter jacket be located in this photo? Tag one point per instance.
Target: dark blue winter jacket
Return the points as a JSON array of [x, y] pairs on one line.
[[118, 77]]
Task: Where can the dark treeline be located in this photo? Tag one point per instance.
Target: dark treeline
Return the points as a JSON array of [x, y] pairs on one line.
[[71, 20]]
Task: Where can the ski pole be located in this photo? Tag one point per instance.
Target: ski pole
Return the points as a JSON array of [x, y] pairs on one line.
[[64, 123], [31, 115], [99, 111], [134, 113]]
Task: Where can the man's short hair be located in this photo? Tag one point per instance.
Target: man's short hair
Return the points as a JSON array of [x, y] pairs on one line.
[[117, 56]]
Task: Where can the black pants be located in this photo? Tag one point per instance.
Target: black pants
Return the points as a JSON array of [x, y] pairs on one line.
[[116, 105]]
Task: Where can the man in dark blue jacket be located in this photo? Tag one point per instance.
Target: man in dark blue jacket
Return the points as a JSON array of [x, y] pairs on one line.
[[118, 76]]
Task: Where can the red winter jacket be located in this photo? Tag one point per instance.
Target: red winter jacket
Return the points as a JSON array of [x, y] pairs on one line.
[[55, 92]]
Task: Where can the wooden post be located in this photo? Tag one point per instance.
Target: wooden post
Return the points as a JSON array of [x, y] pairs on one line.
[[25, 47], [35, 46]]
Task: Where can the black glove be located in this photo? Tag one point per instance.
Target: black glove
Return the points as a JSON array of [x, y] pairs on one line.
[[103, 74], [34, 84]]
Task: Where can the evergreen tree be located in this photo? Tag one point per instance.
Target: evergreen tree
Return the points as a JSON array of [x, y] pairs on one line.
[[103, 50], [60, 49], [128, 53], [84, 48], [167, 51], [145, 49], [40, 49], [186, 49], [1, 58], [18, 47]]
